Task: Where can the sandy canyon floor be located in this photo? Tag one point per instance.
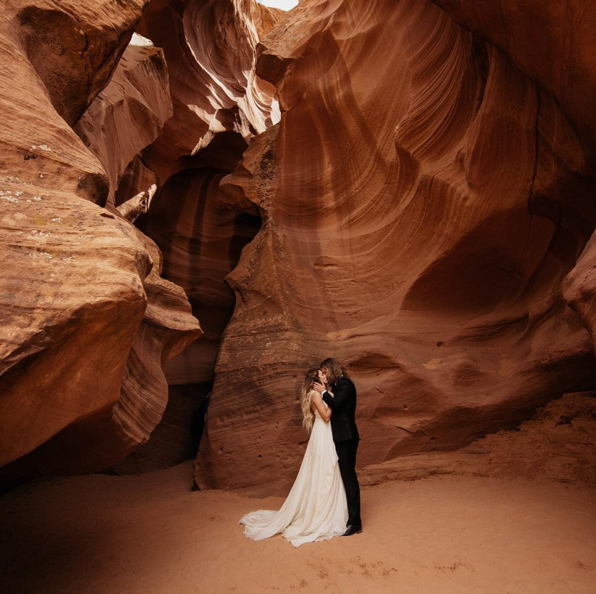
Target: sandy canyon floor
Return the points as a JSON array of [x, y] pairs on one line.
[[151, 534]]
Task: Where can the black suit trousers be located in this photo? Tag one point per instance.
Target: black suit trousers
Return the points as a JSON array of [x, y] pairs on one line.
[[346, 452]]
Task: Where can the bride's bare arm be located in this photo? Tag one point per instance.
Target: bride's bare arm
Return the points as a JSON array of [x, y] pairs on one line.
[[317, 402]]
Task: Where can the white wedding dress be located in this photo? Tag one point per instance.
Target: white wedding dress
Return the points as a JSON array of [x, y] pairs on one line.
[[316, 507]]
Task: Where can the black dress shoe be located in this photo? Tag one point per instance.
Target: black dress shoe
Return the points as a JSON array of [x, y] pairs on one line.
[[352, 529]]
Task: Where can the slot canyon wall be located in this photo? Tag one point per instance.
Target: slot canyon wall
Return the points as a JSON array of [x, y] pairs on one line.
[[84, 381], [87, 321], [404, 185], [425, 199]]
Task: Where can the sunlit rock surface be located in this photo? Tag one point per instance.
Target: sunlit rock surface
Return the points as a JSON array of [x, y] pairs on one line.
[[209, 48], [423, 198], [99, 440]]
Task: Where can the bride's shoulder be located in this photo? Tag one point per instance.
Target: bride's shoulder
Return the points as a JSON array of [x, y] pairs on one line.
[[314, 394]]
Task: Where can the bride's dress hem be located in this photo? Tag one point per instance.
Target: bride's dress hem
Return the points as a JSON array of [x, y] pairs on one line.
[[299, 542]]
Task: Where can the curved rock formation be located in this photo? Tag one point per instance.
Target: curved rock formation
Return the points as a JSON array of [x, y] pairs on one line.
[[138, 396], [129, 114], [551, 42], [72, 45], [132, 112], [209, 47], [57, 302], [579, 288], [175, 439], [86, 318], [420, 211], [556, 444], [219, 105], [422, 202]]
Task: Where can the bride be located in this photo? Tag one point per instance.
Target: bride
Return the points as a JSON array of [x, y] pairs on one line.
[[316, 507]]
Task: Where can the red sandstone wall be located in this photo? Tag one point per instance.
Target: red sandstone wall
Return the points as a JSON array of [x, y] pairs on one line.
[[423, 200], [87, 323], [422, 211]]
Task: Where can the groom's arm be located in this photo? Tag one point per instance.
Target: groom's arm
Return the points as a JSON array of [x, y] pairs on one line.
[[328, 399], [340, 398]]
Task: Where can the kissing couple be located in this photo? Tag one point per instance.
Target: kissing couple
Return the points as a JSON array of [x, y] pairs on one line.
[[325, 499]]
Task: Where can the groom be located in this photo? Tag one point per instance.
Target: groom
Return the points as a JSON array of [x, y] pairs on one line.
[[342, 401]]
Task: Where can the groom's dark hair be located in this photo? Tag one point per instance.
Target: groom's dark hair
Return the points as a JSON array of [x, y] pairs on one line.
[[336, 369]]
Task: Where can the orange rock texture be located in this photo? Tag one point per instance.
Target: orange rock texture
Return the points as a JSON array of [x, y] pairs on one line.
[[219, 105], [405, 185], [86, 320], [424, 196], [129, 114], [558, 443]]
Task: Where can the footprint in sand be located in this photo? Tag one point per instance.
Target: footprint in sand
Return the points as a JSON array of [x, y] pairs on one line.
[[454, 567], [372, 570]]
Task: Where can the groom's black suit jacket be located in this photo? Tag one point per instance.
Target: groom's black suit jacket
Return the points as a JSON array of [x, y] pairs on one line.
[[343, 405]]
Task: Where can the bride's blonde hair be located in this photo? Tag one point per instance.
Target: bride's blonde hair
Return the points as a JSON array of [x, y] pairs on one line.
[[308, 417]]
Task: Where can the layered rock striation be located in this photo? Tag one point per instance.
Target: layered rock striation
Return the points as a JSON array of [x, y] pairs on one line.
[[404, 185], [87, 321], [423, 198], [219, 104], [556, 444], [201, 243], [128, 115]]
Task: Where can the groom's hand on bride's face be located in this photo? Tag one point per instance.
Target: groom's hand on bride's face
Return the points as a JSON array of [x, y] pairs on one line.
[[320, 388]]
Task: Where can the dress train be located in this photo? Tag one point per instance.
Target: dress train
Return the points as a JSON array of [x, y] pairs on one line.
[[316, 508]]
